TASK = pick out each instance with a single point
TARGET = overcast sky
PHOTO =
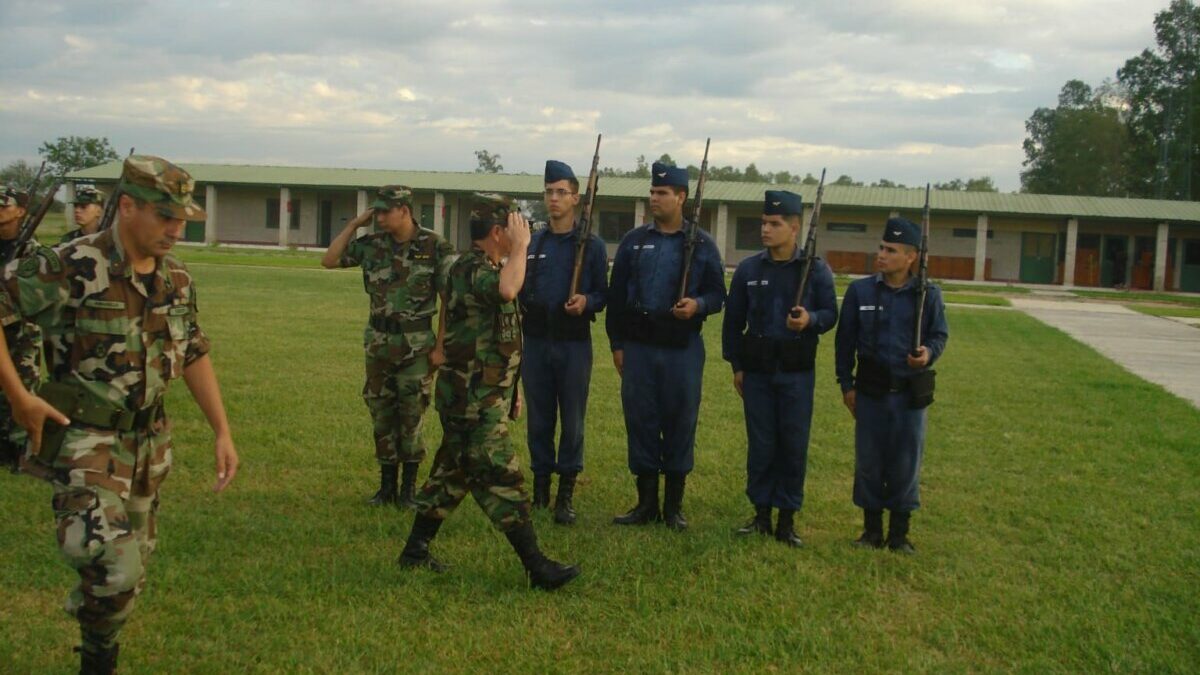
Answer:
(910, 90)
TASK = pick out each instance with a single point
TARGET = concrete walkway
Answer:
(1159, 350)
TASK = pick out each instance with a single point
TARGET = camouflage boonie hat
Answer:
(491, 207)
(11, 196)
(87, 194)
(163, 184)
(391, 196)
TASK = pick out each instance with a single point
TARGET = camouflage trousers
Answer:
(107, 541)
(25, 346)
(476, 455)
(397, 390)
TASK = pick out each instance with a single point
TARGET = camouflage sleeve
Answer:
(354, 253)
(445, 260)
(30, 287)
(485, 286)
(198, 344)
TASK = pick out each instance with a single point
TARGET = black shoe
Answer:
(541, 491)
(759, 524)
(408, 485)
(785, 529)
(872, 536)
(673, 502)
(416, 550)
(388, 474)
(564, 510)
(646, 510)
(98, 661)
(897, 539)
(543, 572)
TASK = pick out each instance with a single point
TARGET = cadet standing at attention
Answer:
(477, 395)
(557, 364)
(891, 387)
(24, 337)
(404, 270)
(120, 315)
(772, 345)
(657, 347)
(89, 208)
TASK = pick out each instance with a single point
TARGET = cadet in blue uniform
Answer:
(888, 392)
(557, 367)
(772, 343)
(656, 344)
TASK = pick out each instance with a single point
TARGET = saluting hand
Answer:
(798, 319)
(920, 360)
(517, 230)
(31, 412)
(685, 309)
(576, 304)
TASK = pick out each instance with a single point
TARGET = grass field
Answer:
(1058, 531)
(1190, 300)
(1167, 310)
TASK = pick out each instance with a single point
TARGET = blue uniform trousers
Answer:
(556, 374)
(660, 394)
(889, 442)
(778, 418)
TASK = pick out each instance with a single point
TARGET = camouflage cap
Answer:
(391, 196)
(87, 194)
(163, 184)
(491, 207)
(11, 196)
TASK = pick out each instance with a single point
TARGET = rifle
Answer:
(922, 278)
(33, 218)
(693, 233)
(810, 246)
(110, 207)
(585, 222)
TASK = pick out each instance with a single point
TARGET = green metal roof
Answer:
(530, 186)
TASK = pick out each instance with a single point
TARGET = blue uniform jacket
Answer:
(762, 293)
(645, 277)
(550, 261)
(856, 328)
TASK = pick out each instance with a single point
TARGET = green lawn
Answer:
(1167, 310)
(1058, 531)
(1191, 300)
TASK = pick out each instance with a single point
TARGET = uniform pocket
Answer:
(83, 527)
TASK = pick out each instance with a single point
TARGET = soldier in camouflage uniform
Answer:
(475, 397)
(404, 271)
(89, 208)
(24, 337)
(119, 314)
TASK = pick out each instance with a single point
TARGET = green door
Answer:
(1189, 274)
(1037, 257)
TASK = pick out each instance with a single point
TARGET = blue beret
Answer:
(782, 203)
(661, 174)
(902, 231)
(556, 171)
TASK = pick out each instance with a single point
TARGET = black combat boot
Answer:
(872, 536)
(897, 539)
(785, 530)
(541, 491)
(564, 510)
(387, 485)
(673, 502)
(543, 572)
(759, 524)
(416, 551)
(646, 510)
(408, 485)
(98, 660)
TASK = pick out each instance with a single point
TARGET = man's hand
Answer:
(227, 462)
(685, 309)
(920, 361)
(798, 319)
(576, 304)
(31, 413)
(517, 230)
(738, 378)
(437, 357)
(850, 399)
(619, 361)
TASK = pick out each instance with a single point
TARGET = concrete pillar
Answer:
(285, 214)
(361, 205)
(1160, 258)
(69, 210)
(639, 213)
(210, 207)
(981, 241)
(721, 229)
(439, 213)
(1069, 256)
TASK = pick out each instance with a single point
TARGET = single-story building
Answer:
(1026, 238)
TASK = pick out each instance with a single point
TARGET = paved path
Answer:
(1160, 350)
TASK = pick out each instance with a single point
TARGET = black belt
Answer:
(540, 322)
(384, 324)
(660, 330)
(79, 406)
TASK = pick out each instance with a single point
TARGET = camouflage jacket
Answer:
(25, 337)
(71, 236)
(403, 280)
(105, 332)
(483, 340)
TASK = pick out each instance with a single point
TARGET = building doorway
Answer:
(1189, 272)
(1037, 257)
(1114, 260)
(325, 223)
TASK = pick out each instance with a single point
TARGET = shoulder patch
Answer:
(53, 262)
(27, 268)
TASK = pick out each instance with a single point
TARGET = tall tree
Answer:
(1078, 147)
(488, 163)
(72, 153)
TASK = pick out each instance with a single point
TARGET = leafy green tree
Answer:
(841, 180)
(1079, 147)
(488, 163)
(73, 153)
